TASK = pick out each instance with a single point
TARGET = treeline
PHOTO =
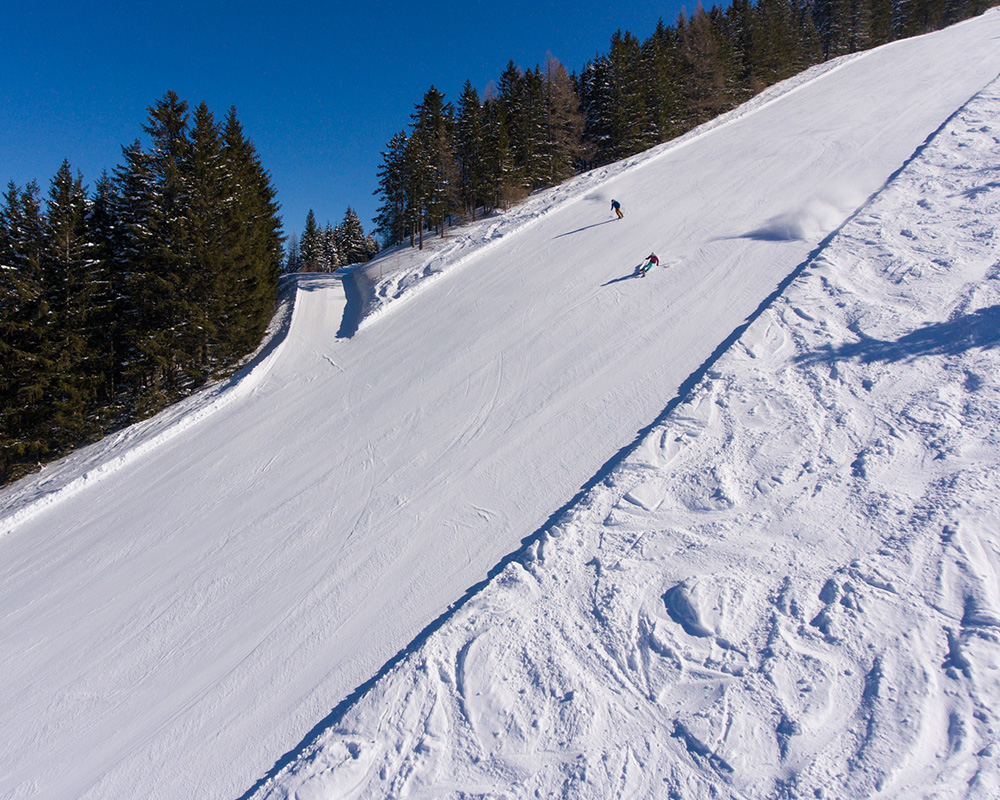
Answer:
(526, 133)
(116, 303)
(330, 248)
(535, 128)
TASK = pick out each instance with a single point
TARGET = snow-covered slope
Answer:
(183, 604)
(790, 588)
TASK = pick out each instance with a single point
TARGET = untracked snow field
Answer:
(727, 561)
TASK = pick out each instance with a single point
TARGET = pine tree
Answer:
(253, 233)
(350, 237)
(24, 368)
(292, 260)
(391, 220)
(311, 245)
(470, 149)
(68, 264)
(332, 258)
(660, 68)
(627, 116)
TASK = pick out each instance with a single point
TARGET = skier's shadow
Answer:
(633, 274)
(584, 228)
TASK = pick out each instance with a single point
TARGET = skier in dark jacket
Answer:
(617, 207)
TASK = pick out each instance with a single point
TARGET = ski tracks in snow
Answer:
(788, 589)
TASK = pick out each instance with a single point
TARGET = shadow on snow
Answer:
(981, 329)
(627, 276)
(584, 228)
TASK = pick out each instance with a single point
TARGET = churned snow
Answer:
(726, 559)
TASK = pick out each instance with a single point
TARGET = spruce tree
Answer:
(501, 177)
(292, 260)
(833, 22)
(371, 247)
(332, 254)
(519, 96)
(135, 192)
(311, 245)
(704, 72)
(68, 267)
(431, 158)
(660, 68)
(350, 238)
(108, 295)
(253, 228)
(155, 188)
(213, 287)
(391, 221)
(25, 366)
(537, 161)
(470, 149)
(597, 103)
(627, 115)
(113, 307)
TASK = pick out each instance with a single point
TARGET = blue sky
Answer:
(320, 88)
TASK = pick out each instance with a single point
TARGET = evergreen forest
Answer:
(329, 248)
(533, 129)
(117, 302)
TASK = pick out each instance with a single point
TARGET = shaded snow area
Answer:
(789, 588)
(503, 519)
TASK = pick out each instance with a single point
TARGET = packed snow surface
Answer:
(789, 588)
(784, 585)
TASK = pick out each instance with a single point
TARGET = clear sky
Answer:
(319, 87)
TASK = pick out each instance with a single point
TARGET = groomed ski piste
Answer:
(532, 527)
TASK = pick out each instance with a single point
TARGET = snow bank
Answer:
(57, 481)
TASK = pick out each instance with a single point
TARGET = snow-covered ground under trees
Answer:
(726, 560)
